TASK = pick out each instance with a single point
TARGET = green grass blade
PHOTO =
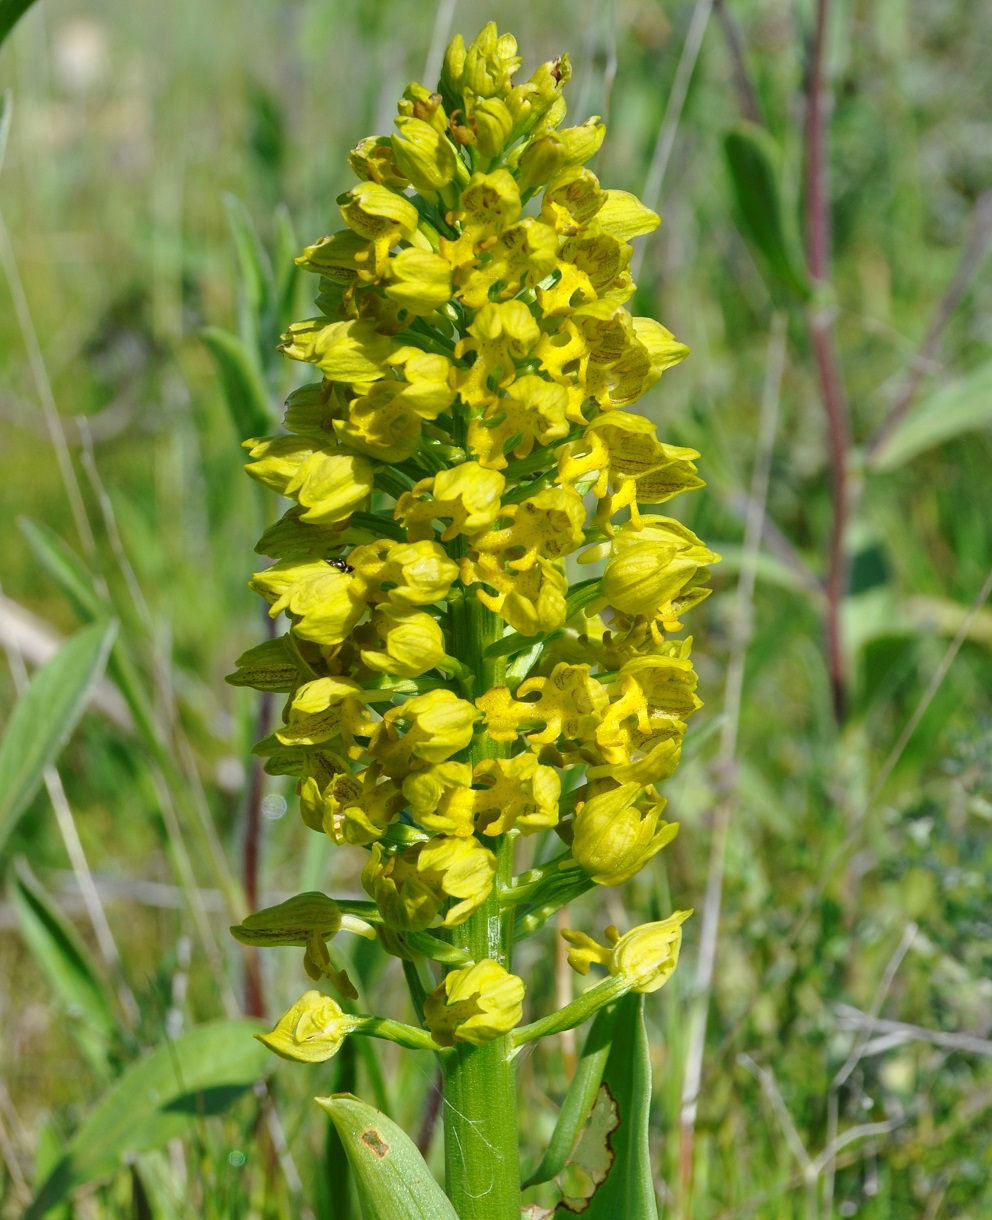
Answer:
(753, 160)
(65, 961)
(244, 389)
(65, 568)
(158, 1099)
(579, 1098)
(963, 406)
(392, 1177)
(45, 716)
(10, 13)
(254, 266)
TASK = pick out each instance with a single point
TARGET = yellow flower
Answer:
(646, 956)
(475, 1004)
(531, 410)
(571, 704)
(311, 1031)
(468, 495)
(325, 603)
(499, 335)
(351, 352)
(412, 887)
(424, 155)
(520, 793)
(419, 280)
(418, 573)
(440, 723)
(626, 454)
(488, 65)
(440, 798)
(328, 483)
(326, 709)
(615, 834)
(381, 216)
(656, 697)
(656, 571)
(548, 525)
(530, 602)
(347, 807)
(412, 642)
(372, 160)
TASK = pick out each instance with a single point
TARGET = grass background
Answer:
(852, 859)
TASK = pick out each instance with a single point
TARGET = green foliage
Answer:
(45, 717)
(167, 1093)
(67, 964)
(393, 1180)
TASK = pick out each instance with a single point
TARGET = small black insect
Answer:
(341, 565)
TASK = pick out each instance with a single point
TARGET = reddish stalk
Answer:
(821, 328)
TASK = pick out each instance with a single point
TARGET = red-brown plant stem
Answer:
(821, 328)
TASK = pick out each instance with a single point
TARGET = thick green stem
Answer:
(481, 1156)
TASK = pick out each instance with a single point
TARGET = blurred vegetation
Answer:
(847, 1054)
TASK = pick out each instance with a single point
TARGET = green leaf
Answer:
(45, 715)
(287, 246)
(66, 963)
(254, 270)
(245, 391)
(579, 1099)
(628, 1189)
(753, 158)
(157, 1099)
(65, 568)
(393, 1180)
(10, 12)
(963, 406)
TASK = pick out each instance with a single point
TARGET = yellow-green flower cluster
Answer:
(467, 439)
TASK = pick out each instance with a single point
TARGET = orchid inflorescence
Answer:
(450, 689)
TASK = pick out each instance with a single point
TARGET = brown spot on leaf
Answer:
(375, 1143)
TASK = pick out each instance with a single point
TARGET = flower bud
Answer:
(582, 143)
(614, 838)
(540, 161)
(492, 124)
(490, 62)
(475, 1004)
(424, 155)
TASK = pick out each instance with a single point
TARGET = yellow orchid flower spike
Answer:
(453, 683)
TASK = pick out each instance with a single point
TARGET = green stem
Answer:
(482, 1165)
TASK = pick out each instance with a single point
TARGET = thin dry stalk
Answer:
(726, 762)
(673, 113)
(43, 388)
(857, 1053)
